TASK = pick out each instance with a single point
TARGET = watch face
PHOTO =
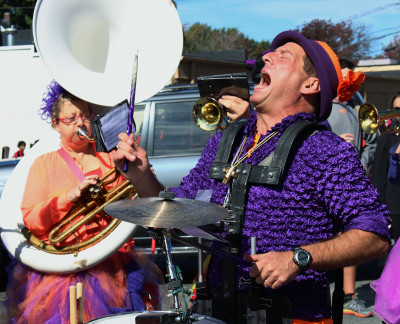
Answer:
(302, 257)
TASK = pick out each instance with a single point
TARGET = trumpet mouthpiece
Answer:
(82, 132)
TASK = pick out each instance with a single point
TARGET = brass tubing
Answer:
(54, 238)
(208, 114)
(370, 119)
(125, 190)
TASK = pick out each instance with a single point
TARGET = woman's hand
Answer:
(75, 193)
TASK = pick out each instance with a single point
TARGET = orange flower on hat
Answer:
(350, 85)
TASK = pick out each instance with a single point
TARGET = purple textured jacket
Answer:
(324, 186)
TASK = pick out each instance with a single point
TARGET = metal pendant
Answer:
(231, 172)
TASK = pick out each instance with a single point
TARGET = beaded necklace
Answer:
(231, 172)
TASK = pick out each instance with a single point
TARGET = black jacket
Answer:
(389, 193)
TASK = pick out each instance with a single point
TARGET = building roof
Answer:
(226, 55)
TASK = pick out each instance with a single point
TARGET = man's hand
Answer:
(129, 149)
(139, 172)
(348, 137)
(273, 269)
(236, 108)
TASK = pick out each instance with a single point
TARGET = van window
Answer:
(138, 116)
(175, 131)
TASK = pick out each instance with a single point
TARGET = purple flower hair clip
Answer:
(54, 91)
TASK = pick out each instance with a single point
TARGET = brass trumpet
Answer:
(370, 119)
(90, 205)
(208, 114)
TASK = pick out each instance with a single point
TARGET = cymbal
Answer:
(166, 213)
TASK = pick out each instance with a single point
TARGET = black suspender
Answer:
(269, 172)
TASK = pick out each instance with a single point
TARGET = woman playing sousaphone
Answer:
(125, 281)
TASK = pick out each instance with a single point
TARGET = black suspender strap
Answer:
(270, 170)
(228, 137)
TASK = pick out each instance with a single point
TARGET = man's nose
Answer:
(268, 58)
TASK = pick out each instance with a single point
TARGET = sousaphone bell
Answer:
(89, 48)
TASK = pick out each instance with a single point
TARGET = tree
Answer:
(202, 38)
(21, 12)
(345, 40)
(392, 50)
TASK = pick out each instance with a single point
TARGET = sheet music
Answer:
(114, 123)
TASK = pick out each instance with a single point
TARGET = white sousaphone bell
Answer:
(89, 48)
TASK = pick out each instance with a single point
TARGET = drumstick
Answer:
(79, 297)
(132, 102)
(72, 304)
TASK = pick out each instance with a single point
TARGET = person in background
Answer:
(126, 280)
(344, 122)
(235, 107)
(389, 193)
(297, 223)
(20, 153)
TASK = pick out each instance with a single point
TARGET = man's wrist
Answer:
(302, 258)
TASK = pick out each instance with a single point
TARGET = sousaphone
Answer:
(89, 48)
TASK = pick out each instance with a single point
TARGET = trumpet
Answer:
(370, 119)
(208, 114)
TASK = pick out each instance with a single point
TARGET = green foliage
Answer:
(21, 12)
(346, 40)
(202, 38)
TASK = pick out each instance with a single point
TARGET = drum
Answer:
(150, 317)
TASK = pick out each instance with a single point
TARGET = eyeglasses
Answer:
(74, 119)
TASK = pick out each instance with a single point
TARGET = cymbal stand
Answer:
(174, 277)
(172, 273)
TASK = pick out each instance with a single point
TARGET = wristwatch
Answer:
(301, 258)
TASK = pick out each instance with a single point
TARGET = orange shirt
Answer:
(45, 198)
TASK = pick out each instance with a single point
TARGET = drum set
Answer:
(163, 216)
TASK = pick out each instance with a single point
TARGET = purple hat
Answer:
(323, 59)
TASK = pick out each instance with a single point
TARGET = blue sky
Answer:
(264, 19)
